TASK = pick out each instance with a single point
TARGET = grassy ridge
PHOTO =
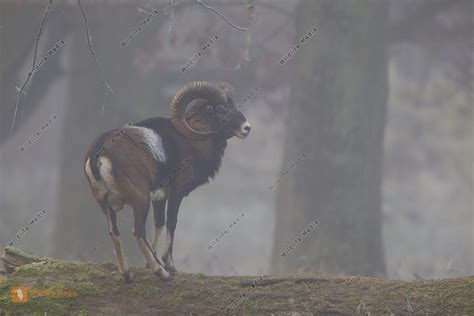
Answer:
(100, 289)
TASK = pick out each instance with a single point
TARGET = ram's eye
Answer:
(220, 108)
(209, 109)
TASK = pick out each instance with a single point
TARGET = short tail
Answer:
(94, 164)
(94, 153)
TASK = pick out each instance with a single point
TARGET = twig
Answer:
(247, 48)
(221, 15)
(250, 11)
(108, 90)
(43, 19)
(172, 4)
(27, 87)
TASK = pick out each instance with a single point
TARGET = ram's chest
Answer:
(187, 179)
(193, 165)
(195, 175)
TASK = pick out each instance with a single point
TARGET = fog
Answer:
(361, 113)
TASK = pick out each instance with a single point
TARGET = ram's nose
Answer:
(244, 130)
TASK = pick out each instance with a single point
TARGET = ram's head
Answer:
(202, 109)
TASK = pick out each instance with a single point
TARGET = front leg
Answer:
(171, 220)
(159, 208)
(140, 213)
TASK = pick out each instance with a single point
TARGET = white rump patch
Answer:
(105, 190)
(105, 169)
(153, 141)
(98, 187)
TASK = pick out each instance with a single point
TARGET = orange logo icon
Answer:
(19, 295)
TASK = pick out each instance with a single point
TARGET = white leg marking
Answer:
(168, 259)
(155, 244)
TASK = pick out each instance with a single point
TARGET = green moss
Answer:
(176, 301)
(20, 254)
(249, 308)
(87, 280)
(101, 289)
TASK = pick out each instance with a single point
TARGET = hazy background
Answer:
(379, 101)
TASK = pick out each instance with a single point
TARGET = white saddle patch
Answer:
(153, 141)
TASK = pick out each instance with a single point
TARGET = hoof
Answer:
(171, 270)
(164, 275)
(128, 276)
(169, 264)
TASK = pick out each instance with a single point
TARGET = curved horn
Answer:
(194, 90)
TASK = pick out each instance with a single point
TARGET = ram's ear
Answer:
(227, 88)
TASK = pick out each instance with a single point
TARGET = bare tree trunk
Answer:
(336, 120)
(81, 228)
(80, 222)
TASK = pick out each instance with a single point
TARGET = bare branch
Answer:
(108, 90)
(20, 92)
(172, 4)
(221, 15)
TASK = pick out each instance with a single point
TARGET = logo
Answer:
(22, 294)
(19, 295)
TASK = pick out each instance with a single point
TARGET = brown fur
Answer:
(121, 169)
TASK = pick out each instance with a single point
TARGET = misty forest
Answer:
(319, 152)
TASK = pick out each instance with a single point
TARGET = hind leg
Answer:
(115, 236)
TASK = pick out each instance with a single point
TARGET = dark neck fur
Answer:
(210, 162)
